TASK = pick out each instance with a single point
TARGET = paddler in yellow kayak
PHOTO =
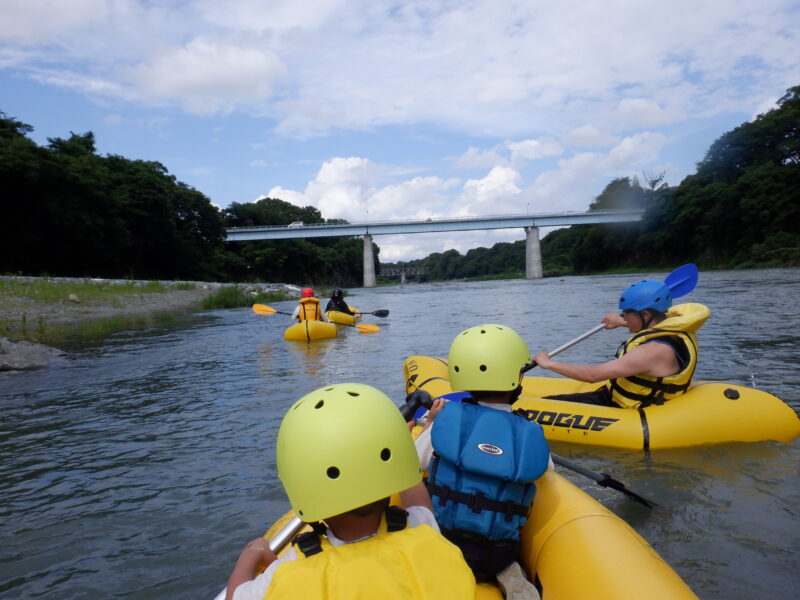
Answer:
(657, 363)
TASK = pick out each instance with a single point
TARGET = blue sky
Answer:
(374, 110)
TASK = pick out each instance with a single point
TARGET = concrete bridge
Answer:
(530, 223)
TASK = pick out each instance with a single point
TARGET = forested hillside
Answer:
(740, 209)
(68, 211)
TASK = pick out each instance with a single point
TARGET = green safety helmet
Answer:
(342, 447)
(486, 358)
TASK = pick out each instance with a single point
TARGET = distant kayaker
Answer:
(308, 307)
(481, 458)
(657, 363)
(337, 303)
(343, 474)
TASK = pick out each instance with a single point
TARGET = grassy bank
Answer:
(62, 312)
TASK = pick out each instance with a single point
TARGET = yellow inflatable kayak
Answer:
(709, 413)
(306, 331)
(334, 316)
(575, 549)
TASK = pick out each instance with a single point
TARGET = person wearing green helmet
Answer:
(342, 450)
(482, 459)
(655, 364)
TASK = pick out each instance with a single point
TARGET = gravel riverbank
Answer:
(21, 311)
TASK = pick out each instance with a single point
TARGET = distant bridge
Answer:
(530, 223)
(402, 271)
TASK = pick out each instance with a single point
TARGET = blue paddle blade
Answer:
(682, 280)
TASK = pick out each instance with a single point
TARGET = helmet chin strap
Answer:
(645, 322)
(515, 394)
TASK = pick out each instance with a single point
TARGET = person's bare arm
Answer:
(256, 553)
(416, 496)
(656, 360)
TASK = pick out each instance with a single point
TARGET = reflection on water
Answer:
(139, 467)
(308, 357)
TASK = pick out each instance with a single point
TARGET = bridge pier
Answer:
(369, 262)
(533, 254)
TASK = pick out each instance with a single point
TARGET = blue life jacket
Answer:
(481, 477)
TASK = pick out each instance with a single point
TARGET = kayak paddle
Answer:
(378, 313)
(602, 479)
(263, 309)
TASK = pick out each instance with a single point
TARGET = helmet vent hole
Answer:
(482, 367)
(483, 331)
(456, 369)
(333, 472)
(354, 394)
(386, 454)
(320, 404)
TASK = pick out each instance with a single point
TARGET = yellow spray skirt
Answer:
(709, 413)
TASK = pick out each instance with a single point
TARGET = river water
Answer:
(138, 467)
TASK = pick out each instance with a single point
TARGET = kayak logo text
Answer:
(569, 420)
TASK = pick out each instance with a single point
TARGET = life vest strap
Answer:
(477, 502)
(667, 388)
(310, 543)
(396, 518)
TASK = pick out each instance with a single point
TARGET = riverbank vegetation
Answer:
(231, 296)
(741, 209)
(58, 312)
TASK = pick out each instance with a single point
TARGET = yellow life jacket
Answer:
(678, 330)
(413, 562)
(309, 309)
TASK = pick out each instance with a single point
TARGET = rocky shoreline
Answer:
(25, 355)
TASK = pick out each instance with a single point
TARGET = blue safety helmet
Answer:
(644, 294)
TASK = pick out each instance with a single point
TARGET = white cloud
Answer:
(589, 136)
(211, 75)
(533, 149)
(39, 21)
(508, 72)
(291, 196)
(474, 158)
(580, 178)
(638, 112)
(495, 193)
(358, 190)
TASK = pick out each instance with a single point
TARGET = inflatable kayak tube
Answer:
(575, 549)
(710, 412)
(334, 316)
(306, 331)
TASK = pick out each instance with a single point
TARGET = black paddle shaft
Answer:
(602, 479)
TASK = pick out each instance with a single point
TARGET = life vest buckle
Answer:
(308, 543)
